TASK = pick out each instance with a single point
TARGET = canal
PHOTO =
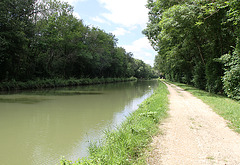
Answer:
(38, 127)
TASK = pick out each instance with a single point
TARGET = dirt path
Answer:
(194, 135)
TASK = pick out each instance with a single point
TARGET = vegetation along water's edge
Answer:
(228, 108)
(58, 82)
(127, 143)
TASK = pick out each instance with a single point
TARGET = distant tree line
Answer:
(198, 42)
(42, 39)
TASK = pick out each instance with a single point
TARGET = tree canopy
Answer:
(197, 42)
(42, 39)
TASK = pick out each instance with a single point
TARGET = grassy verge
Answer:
(57, 82)
(227, 108)
(127, 144)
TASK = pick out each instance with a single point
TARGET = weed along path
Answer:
(193, 134)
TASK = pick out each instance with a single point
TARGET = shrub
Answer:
(231, 78)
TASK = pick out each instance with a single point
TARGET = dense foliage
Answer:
(43, 40)
(197, 42)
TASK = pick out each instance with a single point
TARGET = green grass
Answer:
(127, 144)
(227, 108)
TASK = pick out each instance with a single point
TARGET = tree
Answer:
(190, 36)
(16, 32)
(42, 39)
(231, 61)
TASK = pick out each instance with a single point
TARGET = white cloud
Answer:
(148, 54)
(98, 19)
(133, 27)
(142, 50)
(76, 15)
(120, 31)
(73, 1)
(126, 12)
(139, 45)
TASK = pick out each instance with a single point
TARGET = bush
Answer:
(213, 73)
(231, 78)
(199, 79)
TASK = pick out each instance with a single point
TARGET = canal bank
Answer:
(127, 144)
(58, 82)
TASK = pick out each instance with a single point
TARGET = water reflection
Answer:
(23, 100)
(39, 127)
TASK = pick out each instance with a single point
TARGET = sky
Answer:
(124, 18)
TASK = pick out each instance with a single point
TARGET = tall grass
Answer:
(227, 108)
(127, 144)
(57, 82)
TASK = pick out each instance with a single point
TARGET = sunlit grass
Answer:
(227, 108)
(127, 144)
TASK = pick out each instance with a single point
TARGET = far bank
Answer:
(57, 82)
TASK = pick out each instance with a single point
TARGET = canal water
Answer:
(39, 127)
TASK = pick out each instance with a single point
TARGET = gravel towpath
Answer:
(193, 135)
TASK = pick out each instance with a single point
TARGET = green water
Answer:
(38, 127)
